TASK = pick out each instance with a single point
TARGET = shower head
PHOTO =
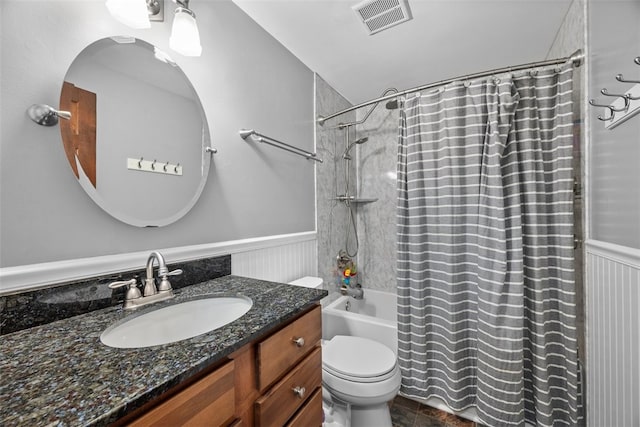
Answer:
(392, 104)
(346, 155)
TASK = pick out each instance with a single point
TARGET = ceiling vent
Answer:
(379, 15)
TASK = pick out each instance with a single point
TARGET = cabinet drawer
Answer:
(282, 401)
(310, 415)
(278, 353)
(209, 401)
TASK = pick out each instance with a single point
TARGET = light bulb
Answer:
(185, 38)
(132, 13)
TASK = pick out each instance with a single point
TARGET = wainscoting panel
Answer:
(613, 335)
(279, 263)
(279, 258)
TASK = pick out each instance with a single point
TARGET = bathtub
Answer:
(374, 317)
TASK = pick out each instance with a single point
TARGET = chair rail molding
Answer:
(42, 275)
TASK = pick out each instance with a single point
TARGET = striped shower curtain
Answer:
(486, 311)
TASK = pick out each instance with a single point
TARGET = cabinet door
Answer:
(289, 394)
(207, 402)
(282, 350)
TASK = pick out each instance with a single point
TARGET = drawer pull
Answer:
(299, 391)
(298, 341)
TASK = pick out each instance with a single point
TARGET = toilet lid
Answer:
(356, 357)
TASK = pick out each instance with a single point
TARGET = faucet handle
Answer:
(175, 272)
(132, 291)
(165, 285)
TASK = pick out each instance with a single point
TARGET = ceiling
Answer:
(445, 38)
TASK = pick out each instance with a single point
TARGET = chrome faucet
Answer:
(354, 291)
(150, 281)
(134, 298)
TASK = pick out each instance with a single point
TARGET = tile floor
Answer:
(408, 413)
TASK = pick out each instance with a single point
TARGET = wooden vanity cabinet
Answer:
(273, 382)
(287, 396)
(208, 401)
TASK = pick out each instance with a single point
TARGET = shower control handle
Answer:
(299, 391)
(298, 341)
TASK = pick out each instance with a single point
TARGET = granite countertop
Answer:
(61, 374)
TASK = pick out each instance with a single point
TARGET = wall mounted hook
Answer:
(46, 115)
(626, 107)
(621, 79)
(604, 119)
(211, 150)
(605, 92)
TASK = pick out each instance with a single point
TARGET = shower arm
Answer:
(366, 116)
(577, 59)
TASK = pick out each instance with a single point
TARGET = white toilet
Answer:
(360, 372)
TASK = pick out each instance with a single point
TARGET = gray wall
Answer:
(245, 79)
(614, 40)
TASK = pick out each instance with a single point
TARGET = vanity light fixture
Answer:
(136, 13)
(185, 38)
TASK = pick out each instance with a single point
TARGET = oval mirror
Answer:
(138, 134)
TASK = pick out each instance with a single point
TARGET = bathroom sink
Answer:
(175, 322)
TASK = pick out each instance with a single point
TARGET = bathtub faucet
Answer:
(354, 291)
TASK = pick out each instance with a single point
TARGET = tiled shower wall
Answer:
(332, 217)
(377, 179)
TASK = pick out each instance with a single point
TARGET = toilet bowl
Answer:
(363, 373)
(360, 372)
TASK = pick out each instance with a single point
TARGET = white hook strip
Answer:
(166, 168)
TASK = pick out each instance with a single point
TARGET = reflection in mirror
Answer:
(137, 136)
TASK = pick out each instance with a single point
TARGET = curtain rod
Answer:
(577, 58)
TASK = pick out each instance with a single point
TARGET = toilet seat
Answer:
(358, 360)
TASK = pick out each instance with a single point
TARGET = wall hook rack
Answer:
(142, 165)
(626, 104)
(246, 133)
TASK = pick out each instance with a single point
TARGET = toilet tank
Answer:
(308, 282)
